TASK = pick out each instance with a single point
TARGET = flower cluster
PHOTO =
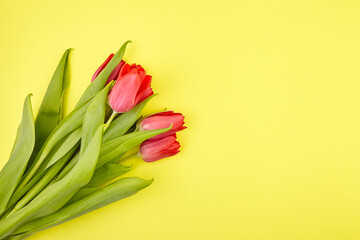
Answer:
(132, 86)
(165, 144)
(63, 167)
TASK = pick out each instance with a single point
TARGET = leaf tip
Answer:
(149, 182)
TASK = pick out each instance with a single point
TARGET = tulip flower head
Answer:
(114, 74)
(153, 150)
(131, 87)
(163, 120)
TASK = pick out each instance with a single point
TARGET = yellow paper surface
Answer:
(270, 90)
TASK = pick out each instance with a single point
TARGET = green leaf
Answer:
(68, 167)
(13, 170)
(102, 78)
(18, 237)
(45, 179)
(122, 123)
(102, 175)
(82, 193)
(117, 147)
(54, 169)
(106, 173)
(94, 117)
(56, 195)
(50, 112)
(131, 140)
(71, 122)
(60, 150)
(118, 190)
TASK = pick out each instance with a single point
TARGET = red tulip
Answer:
(114, 74)
(131, 87)
(163, 120)
(153, 150)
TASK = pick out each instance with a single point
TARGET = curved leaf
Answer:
(12, 172)
(69, 142)
(102, 175)
(94, 117)
(118, 190)
(45, 179)
(56, 195)
(133, 139)
(71, 122)
(106, 173)
(50, 112)
(58, 152)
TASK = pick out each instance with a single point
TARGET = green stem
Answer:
(113, 115)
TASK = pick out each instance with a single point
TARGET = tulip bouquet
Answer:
(63, 167)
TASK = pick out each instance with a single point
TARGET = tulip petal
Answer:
(145, 95)
(124, 70)
(161, 155)
(150, 147)
(122, 96)
(145, 89)
(115, 73)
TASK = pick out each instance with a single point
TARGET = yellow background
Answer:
(270, 90)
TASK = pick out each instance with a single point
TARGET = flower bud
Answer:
(131, 87)
(153, 150)
(163, 120)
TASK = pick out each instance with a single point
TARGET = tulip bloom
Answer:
(163, 120)
(153, 150)
(114, 74)
(131, 87)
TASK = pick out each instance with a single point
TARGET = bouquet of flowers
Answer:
(63, 167)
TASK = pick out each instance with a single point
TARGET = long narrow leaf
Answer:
(136, 139)
(56, 195)
(50, 112)
(18, 237)
(118, 190)
(70, 123)
(69, 142)
(46, 179)
(58, 152)
(94, 117)
(102, 175)
(12, 172)
(38, 182)
(106, 173)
